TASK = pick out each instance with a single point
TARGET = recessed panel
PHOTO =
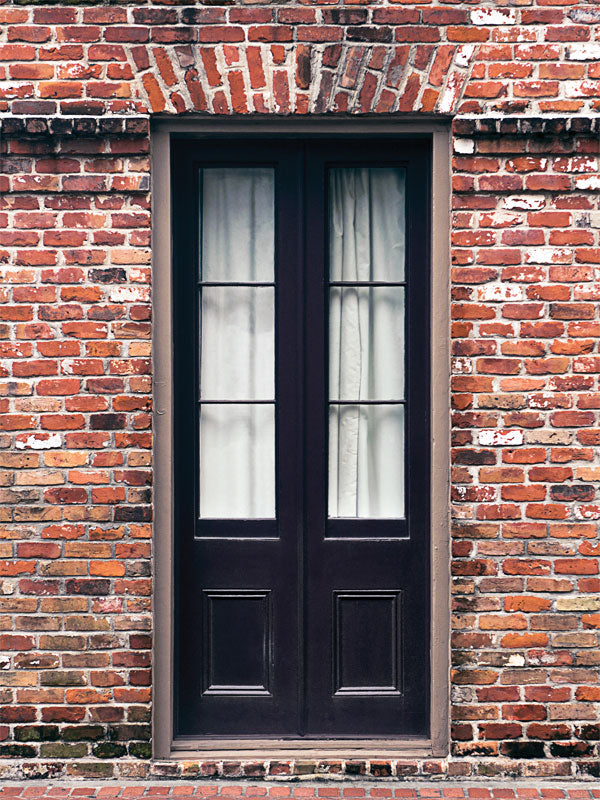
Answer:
(237, 642)
(367, 642)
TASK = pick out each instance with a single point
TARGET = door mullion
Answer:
(289, 262)
(315, 449)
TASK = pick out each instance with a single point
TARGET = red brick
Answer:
(74, 386)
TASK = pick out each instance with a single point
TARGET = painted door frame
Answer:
(164, 746)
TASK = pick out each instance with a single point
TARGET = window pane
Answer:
(367, 224)
(237, 224)
(237, 440)
(366, 461)
(237, 461)
(366, 343)
(237, 343)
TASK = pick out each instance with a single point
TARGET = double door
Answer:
(301, 373)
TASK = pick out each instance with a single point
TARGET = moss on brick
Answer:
(78, 733)
(139, 714)
(17, 751)
(140, 750)
(124, 733)
(36, 733)
(109, 750)
(63, 750)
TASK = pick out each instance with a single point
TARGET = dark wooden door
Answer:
(304, 622)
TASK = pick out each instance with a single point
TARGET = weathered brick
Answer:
(75, 329)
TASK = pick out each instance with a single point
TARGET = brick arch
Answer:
(227, 78)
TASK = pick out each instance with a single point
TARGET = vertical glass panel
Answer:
(367, 224)
(238, 231)
(366, 343)
(366, 461)
(237, 343)
(237, 461)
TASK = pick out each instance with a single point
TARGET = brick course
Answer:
(78, 84)
(285, 789)
(325, 788)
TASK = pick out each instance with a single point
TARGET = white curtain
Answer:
(366, 343)
(237, 224)
(237, 439)
(366, 353)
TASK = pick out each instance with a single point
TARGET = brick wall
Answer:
(78, 84)
(75, 449)
(525, 229)
(312, 57)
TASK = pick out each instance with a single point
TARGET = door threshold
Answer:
(265, 749)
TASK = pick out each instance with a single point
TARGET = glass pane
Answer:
(366, 343)
(366, 461)
(237, 440)
(237, 343)
(237, 461)
(238, 233)
(367, 224)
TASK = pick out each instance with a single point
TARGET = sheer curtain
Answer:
(237, 385)
(366, 342)
(366, 349)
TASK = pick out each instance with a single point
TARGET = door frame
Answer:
(164, 745)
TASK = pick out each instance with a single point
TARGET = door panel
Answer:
(233, 670)
(367, 642)
(351, 555)
(303, 616)
(237, 577)
(238, 644)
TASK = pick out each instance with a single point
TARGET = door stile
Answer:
(184, 249)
